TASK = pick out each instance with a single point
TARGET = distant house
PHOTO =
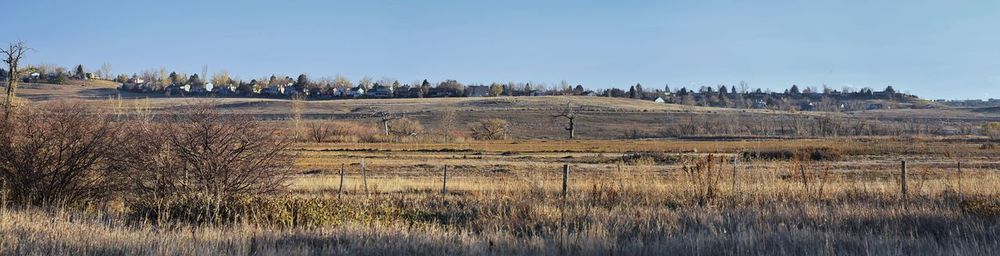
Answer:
(224, 89)
(440, 92)
(199, 89)
(335, 92)
(590, 94)
(180, 90)
(274, 90)
(380, 91)
(356, 92)
(477, 91)
(659, 100)
(807, 106)
(760, 104)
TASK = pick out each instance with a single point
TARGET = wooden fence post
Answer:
(902, 177)
(444, 181)
(341, 190)
(565, 179)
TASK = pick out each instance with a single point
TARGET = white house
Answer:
(659, 100)
(356, 92)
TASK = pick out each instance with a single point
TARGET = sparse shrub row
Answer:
(68, 153)
(400, 130)
(814, 154)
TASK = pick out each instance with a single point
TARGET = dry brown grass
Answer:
(504, 199)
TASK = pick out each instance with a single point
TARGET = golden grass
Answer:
(510, 204)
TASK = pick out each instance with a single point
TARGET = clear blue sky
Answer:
(936, 49)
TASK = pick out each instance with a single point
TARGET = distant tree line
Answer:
(222, 84)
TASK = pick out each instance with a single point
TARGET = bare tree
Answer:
(406, 127)
(491, 129)
(448, 120)
(12, 56)
(106, 71)
(298, 106)
(319, 132)
(385, 117)
(570, 114)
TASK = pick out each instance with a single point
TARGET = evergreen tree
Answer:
(79, 71)
(301, 83)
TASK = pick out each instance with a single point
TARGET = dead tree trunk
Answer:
(13, 55)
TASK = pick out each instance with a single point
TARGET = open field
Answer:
(771, 184)
(532, 117)
(504, 198)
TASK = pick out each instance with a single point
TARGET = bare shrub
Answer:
(992, 130)
(448, 120)
(57, 154)
(703, 178)
(491, 129)
(406, 127)
(319, 131)
(815, 154)
(203, 152)
(342, 131)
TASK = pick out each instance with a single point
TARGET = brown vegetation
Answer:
(194, 180)
(491, 129)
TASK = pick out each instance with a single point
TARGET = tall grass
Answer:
(637, 210)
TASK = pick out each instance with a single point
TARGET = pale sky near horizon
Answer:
(935, 49)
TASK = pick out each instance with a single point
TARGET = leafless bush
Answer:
(57, 154)
(992, 130)
(406, 127)
(319, 131)
(491, 129)
(448, 120)
(205, 152)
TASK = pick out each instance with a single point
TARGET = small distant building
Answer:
(274, 90)
(224, 89)
(179, 90)
(807, 106)
(199, 89)
(760, 104)
(335, 92)
(356, 92)
(380, 91)
(477, 91)
(659, 100)
(440, 92)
